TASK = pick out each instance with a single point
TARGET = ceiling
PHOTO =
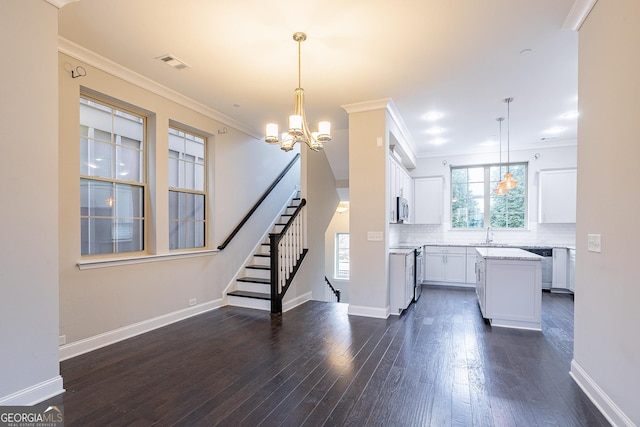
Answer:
(458, 58)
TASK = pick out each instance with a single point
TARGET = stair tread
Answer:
(249, 294)
(259, 267)
(262, 255)
(255, 280)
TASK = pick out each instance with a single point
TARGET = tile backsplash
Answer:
(537, 234)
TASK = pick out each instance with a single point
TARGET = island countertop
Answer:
(507, 253)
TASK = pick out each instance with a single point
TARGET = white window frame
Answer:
(338, 274)
(183, 190)
(116, 234)
(488, 187)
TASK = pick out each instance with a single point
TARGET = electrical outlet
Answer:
(192, 302)
(374, 236)
(594, 243)
(62, 340)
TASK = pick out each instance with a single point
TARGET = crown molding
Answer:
(91, 58)
(578, 13)
(60, 3)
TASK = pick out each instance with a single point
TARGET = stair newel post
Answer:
(276, 303)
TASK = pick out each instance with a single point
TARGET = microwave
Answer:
(402, 210)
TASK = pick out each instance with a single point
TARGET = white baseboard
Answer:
(288, 305)
(609, 409)
(35, 394)
(95, 342)
(358, 310)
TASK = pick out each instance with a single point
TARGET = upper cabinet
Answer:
(428, 200)
(400, 185)
(557, 196)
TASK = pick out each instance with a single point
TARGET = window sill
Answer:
(143, 259)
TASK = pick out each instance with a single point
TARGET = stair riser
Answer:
(257, 304)
(253, 272)
(253, 287)
(261, 260)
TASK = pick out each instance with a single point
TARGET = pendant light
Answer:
(508, 181)
(500, 188)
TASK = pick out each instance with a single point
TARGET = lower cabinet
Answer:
(401, 281)
(560, 269)
(445, 264)
(510, 292)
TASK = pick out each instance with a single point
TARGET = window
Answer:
(186, 190)
(342, 255)
(475, 205)
(112, 183)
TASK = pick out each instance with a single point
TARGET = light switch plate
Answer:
(594, 243)
(374, 236)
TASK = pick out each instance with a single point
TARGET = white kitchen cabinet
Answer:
(557, 196)
(445, 264)
(401, 281)
(509, 287)
(560, 269)
(428, 194)
(481, 283)
(471, 265)
(400, 185)
(572, 270)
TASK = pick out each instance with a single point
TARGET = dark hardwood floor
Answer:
(438, 364)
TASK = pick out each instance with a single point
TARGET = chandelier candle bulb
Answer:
(272, 133)
(324, 129)
(295, 123)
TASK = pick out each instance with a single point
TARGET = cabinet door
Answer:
(471, 265)
(428, 200)
(560, 268)
(455, 267)
(557, 196)
(434, 267)
(572, 269)
(480, 283)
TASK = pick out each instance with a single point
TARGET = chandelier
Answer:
(298, 127)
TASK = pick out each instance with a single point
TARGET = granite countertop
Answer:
(493, 245)
(508, 253)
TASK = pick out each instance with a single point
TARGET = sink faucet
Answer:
(489, 239)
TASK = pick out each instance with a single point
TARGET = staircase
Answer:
(253, 288)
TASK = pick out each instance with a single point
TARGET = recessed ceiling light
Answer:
(434, 130)
(432, 116)
(570, 115)
(438, 141)
(555, 130)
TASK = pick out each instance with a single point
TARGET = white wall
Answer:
(116, 300)
(29, 369)
(549, 158)
(606, 344)
(368, 212)
(339, 224)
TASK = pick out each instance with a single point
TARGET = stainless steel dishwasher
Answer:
(547, 264)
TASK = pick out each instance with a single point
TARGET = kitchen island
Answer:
(509, 287)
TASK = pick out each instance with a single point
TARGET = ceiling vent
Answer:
(172, 61)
